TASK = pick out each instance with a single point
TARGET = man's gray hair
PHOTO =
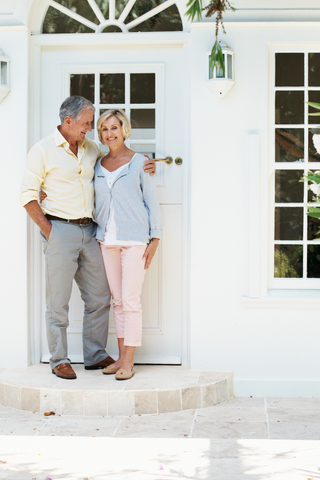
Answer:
(73, 106)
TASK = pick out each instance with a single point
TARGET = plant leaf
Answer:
(217, 57)
(314, 105)
(194, 10)
(314, 178)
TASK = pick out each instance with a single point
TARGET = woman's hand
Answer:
(42, 196)
(149, 165)
(150, 251)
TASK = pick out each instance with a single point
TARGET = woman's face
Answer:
(111, 132)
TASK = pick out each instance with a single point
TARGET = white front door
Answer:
(146, 83)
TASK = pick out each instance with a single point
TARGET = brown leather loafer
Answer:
(103, 364)
(64, 370)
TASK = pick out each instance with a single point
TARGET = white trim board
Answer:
(89, 39)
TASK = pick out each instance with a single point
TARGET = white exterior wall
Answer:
(272, 347)
(271, 350)
(13, 252)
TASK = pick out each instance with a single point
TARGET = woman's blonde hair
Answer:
(123, 119)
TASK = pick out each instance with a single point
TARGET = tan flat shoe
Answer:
(123, 374)
(110, 370)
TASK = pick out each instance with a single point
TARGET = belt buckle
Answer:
(83, 221)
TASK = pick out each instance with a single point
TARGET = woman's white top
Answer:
(110, 236)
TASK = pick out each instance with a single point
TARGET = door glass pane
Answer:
(288, 261)
(58, 22)
(313, 263)
(288, 189)
(314, 70)
(313, 228)
(289, 145)
(112, 89)
(288, 223)
(149, 149)
(143, 123)
(314, 97)
(142, 87)
(82, 84)
(289, 69)
(168, 20)
(81, 7)
(289, 108)
(314, 156)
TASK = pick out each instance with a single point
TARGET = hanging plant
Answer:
(215, 7)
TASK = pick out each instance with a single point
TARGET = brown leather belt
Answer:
(78, 221)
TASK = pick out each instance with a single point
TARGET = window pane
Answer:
(104, 7)
(313, 261)
(82, 84)
(288, 189)
(289, 145)
(289, 108)
(229, 65)
(289, 69)
(120, 5)
(288, 223)
(57, 22)
(168, 20)
(314, 97)
(112, 88)
(314, 70)
(142, 87)
(314, 156)
(141, 7)
(4, 73)
(288, 261)
(112, 29)
(143, 123)
(313, 228)
(81, 7)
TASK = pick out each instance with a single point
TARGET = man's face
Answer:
(77, 130)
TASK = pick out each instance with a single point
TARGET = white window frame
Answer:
(265, 291)
(288, 283)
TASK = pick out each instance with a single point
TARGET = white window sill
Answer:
(285, 299)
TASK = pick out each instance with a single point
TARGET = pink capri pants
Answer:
(125, 272)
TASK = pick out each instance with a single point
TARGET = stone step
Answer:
(153, 389)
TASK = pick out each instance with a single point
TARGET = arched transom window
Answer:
(111, 16)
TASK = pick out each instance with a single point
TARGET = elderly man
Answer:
(63, 165)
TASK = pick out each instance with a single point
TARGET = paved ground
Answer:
(244, 438)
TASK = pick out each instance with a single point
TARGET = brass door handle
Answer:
(168, 160)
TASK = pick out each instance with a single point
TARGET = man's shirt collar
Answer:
(61, 141)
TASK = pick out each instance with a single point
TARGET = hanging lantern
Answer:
(218, 80)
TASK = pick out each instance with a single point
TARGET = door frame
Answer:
(36, 293)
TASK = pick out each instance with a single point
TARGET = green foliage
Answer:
(216, 57)
(194, 10)
(316, 106)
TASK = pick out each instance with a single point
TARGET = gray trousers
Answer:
(72, 252)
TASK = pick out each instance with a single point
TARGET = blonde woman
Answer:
(129, 230)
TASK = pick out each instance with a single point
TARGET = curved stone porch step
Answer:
(153, 389)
